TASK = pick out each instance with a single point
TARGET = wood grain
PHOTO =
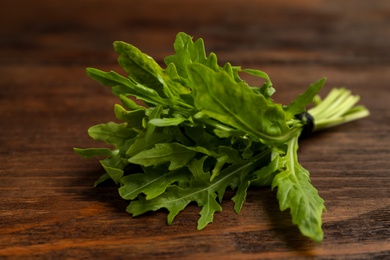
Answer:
(48, 207)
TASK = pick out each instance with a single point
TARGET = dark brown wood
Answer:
(48, 207)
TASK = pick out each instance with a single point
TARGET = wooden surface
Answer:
(48, 207)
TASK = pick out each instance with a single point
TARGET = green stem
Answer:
(339, 107)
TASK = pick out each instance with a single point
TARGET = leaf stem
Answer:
(339, 107)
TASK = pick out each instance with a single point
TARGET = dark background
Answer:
(48, 208)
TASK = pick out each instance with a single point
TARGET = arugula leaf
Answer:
(139, 67)
(92, 152)
(213, 95)
(124, 86)
(151, 183)
(299, 104)
(133, 118)
(177, 154)
(186, 52)
(266, 90)
(201, 129)
(114, 165)
(201, 190)
(112, 133)
(265, 175)
(144, 70)
(296, 192)
(142, 143)
(163, 122)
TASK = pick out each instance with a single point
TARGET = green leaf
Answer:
(152, 114)
(129, 103)
(152, 183)
(212, 63)
(186, 52)
(176, 198)
(173, 83)
(226, 155)
(133, 118)
(265, 176)
(241, 192)
(299, 104)
(260, 74)
(233, 72)
(267, 89)
(201, 190)
(297, 193)
(112, 133)
(164, 122)
(140, 67)
(233, 155)
(201, 137)
(221, 161)
(146, 71)
(147, 142)
(92, 152)
(114, 166)
(175, 153)
(124, 86)
(248, 112)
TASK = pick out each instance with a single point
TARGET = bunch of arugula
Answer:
(202, 129)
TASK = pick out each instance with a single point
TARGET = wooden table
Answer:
(49, 208)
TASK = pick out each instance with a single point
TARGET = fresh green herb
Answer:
(201, 129)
